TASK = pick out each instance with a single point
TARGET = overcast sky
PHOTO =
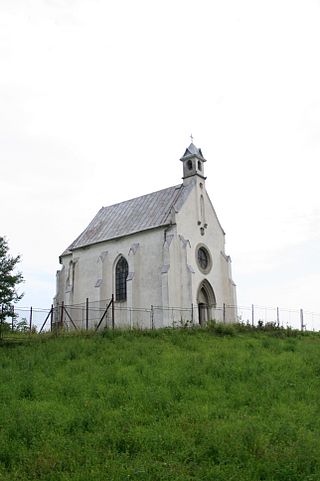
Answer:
(99, 98)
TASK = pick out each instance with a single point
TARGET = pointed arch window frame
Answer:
(121, 274)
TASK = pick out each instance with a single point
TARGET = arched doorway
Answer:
(206, 302)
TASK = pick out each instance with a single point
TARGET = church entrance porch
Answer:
(206, 302)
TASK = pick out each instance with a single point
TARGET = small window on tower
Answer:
(199, 165)
(189, 164)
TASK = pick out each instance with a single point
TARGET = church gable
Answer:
(197, 219)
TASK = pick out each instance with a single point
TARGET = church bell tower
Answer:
(193, 163)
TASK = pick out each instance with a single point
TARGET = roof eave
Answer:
(191, 156)
(73, 249)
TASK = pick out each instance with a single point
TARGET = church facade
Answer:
(164, 249)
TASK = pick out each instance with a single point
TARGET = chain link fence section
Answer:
(171, 316)
(84, 316)
(24, 319)
(99, 315)
(281, 317)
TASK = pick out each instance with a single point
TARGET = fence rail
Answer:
(110, 314)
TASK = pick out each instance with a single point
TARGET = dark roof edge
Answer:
(191, 156)
(68, 252)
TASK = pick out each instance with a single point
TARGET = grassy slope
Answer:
(164, 405)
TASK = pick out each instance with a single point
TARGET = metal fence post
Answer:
(61, 316)
(51, 317)
(30, 320)
(224, 313)
(278, 317)
(112, 310)
(301, 319)
(252, 315)
(87, 313)
(50, 314)
(152, 318)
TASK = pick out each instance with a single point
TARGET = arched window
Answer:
(121, 279)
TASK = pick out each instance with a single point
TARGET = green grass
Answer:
(215, 404)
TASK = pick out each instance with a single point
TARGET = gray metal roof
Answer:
(135, 215)
(193, 150)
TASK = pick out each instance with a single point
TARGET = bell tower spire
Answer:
(193, 163)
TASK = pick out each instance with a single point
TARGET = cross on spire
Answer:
(191, 137)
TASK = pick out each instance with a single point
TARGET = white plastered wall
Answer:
(197, 216)
(94, 278)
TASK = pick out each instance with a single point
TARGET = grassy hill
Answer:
(188, 404)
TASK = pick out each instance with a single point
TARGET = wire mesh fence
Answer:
(24, 319)
(281, 317)
(98, 315)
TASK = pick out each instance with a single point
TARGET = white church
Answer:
(164, 249)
